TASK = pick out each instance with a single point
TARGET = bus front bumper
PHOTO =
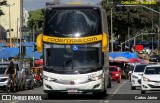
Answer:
(93, 86)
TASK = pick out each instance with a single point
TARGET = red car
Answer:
(115, 73)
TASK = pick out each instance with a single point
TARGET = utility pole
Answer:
(33, 45)
(158, 30)
(21, 24)
(129, 37)
(17, 30)
(111, 30)
(10, 39)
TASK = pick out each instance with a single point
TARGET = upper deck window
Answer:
(68, 22)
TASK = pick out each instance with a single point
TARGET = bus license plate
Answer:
(72, 90)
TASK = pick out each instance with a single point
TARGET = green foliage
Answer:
(36, 19)
(136, 18)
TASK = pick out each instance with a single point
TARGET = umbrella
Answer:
(110, 58)
(121, 59)
(39, 62)
(133, 60)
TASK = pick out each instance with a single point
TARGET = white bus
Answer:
(75, 52)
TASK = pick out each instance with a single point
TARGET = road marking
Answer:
(14, 102)
(106, 101)
(117, 89)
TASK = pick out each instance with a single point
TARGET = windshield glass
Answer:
(152, 70)
(70, 59)
(112, 69)
(139, 68)
(68, 22)
(2, 70)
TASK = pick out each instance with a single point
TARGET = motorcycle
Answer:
(37, 80)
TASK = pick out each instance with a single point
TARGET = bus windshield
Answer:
(67, 22)
(72, 59)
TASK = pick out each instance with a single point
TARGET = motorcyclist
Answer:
(11, 69)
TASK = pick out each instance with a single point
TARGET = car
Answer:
(136, 75)
(154, 58)
(29, 78)
(150, 78)
(3, 79)
(20, 77)
(115, 73)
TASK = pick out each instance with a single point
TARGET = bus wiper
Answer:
(67, 62)
(49, 69)
(93, 68)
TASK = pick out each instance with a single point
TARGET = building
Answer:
(12, 21)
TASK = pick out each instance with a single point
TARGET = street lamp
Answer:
(9, 5)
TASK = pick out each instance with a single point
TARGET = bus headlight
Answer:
(95, 78)
(49, 78)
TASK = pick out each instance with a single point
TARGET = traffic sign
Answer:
(24, 29)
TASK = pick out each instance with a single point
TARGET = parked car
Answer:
(20, 76)
(115, 73)
(150, 78)
(136, 75)
(154, 58)
(29, 78)
(3, 79)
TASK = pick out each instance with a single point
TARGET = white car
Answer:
(3, 79)
(136, 75)
(150, 78)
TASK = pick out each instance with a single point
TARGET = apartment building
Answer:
(10, 19)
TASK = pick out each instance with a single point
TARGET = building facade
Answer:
(11, 18)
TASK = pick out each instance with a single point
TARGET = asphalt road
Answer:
(119, 93)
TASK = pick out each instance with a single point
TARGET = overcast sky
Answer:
(36, 4)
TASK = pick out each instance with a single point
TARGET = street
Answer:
(119, 93)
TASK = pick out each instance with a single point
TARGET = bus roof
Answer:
(76, 3)
(72, 6)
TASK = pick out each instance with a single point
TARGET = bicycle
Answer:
(11, 85)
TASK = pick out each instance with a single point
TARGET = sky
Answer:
(36, 4)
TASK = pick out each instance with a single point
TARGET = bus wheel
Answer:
(104, 93)
(50, 95)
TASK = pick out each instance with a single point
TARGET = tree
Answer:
(35, 19)
(124, 17)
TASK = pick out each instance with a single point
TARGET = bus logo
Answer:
(75, 47)
(72, 83)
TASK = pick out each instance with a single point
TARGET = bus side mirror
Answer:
(39, 42)
(104, 42)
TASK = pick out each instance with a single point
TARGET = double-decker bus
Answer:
(75, 52)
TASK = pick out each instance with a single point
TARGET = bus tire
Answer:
(50, 95)
(104, 93)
